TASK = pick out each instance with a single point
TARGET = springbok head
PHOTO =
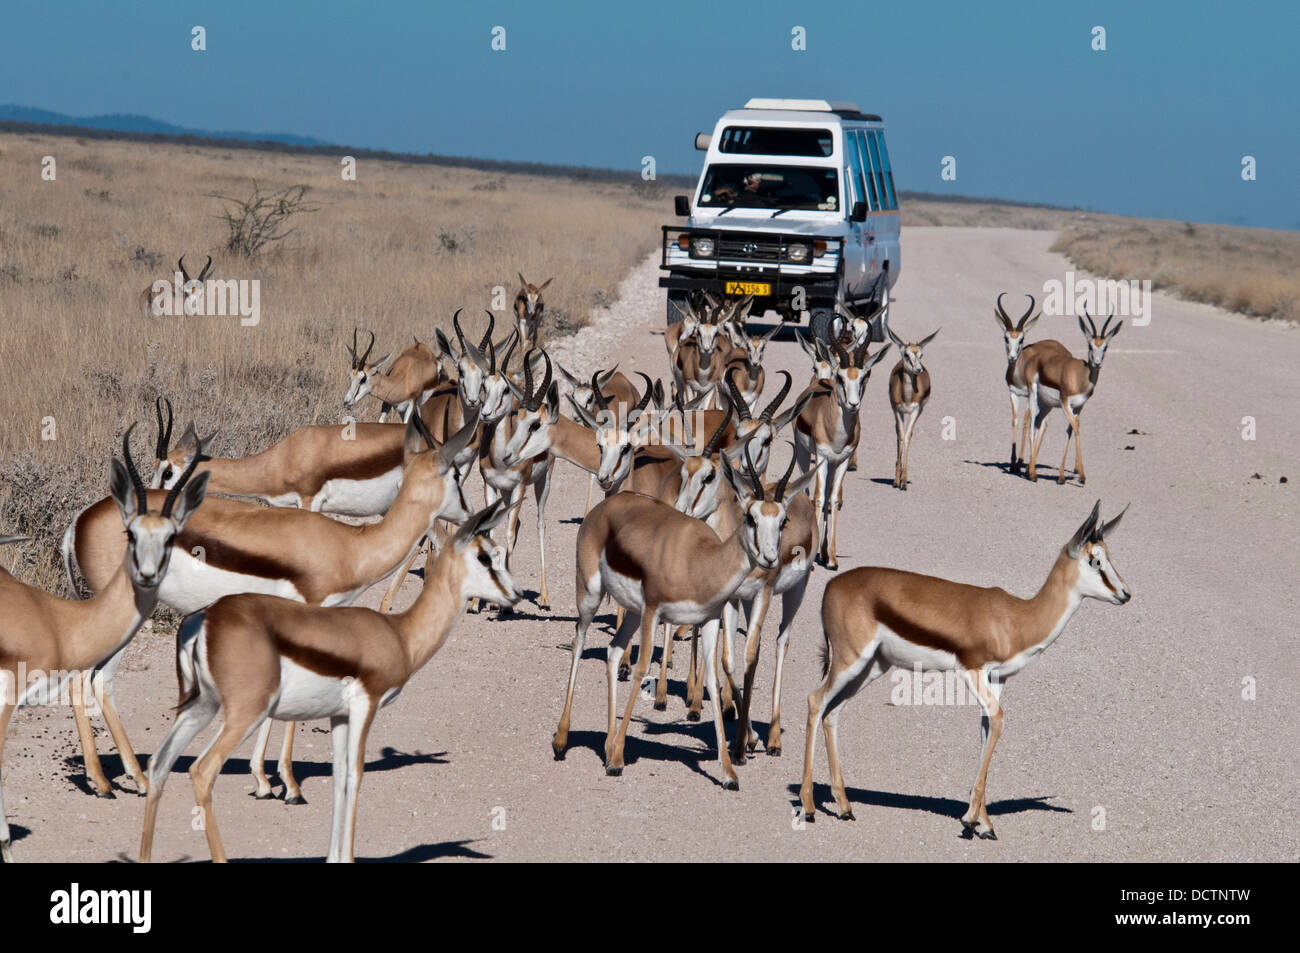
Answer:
(472, 363)
(483, 573)
(823, 361)
(581, 390)
(617, 438)
(193, 287)
(911, 353)
(1013, 332)
(361, 370)
(174, 462)
(765, 511)
(1097, 578)
(149, 536)
(1098, 341)
(496, 383)
(852, 373)
(700, 472)
(537, 411)
(758, 432)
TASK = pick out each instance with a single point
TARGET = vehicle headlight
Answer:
(797, 252)
(702, 247)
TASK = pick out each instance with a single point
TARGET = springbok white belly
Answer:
(192, 584)
(370, 497)
(898, 651)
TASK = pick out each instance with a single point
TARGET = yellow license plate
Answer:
(757, 288)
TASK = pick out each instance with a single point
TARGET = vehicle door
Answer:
(857, 245)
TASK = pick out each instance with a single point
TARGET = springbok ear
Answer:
(875, 358)
(412, 441)
(189, 439)
(123, 493)
(1104, 530)
(190, 499)
(927, 340)
(1111, 334)
(1084, 328)
(1030, 322)
(444, 346)
(522, 280)
(791, 412)
(1083, 533)
(378, 366)
(545, 283)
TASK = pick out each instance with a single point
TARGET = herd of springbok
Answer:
(691, 532)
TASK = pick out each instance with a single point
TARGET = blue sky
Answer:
(1156, 125)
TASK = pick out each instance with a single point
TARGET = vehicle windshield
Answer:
(776, 187)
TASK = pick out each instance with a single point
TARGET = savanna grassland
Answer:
(396, 251)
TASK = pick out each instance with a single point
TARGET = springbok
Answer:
(528, 309)
(660, 564)
(874, 618)
(257, 657)
(60, 639)
(342, 469)
(698, 363)
(745, 367)
(909, 392)
(231, 547)
(615, 388)
(362, 371)
(193, 296)
(823, 362)
(1018, 353)
(827, 432)
(413, 376)
(1062, 380)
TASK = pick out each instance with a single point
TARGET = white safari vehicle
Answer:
(796, 205)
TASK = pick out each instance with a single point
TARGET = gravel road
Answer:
(1163, 730)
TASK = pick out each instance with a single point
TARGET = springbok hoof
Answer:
(729, 713)
(731, 784)
(661, 706)
(106, 795)
(266, 795)
(692, 716)
(558, 751)
(624, 674)
(774, 752)
(847, 816)
(296, 799)
(810, 817)
(614, 770)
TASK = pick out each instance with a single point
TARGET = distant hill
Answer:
(128, 122)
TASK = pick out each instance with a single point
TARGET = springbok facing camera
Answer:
(528, 309)
(1018, 354)
(909, 392)
(41, 633)
(1062, 380)
(260, 657)
(193, 297)
(875, 618)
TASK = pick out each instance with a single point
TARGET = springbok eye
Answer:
(749, 519)
(709, 478)
(535, 427)
(484, 558)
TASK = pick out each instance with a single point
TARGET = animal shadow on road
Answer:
(943, 806)
(638, 747)
(412, 855)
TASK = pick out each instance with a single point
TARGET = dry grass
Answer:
(396, 251)
(1254, 271)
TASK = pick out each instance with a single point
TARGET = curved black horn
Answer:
(423, 429)
(770, 409)
(528, 376)
(737, 399)
(505, 361)
(369, 347)
(141, 500)
(535, 400)
(180, 264)
(597, 397)
(1025, 317)
(754, 481)
(649, 391)
(1107, 324)
(460, 335)
(174, 493)
(712, 446)
(487, 336)
(164, 433)
(842, 355)
(206, 268)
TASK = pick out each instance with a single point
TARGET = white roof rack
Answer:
(810, 105)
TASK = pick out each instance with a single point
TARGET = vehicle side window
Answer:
(865, 164)
(889, 172)
(855, 169)
(879, 169)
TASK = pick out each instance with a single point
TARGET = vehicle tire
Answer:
(676, 300)
(821, 323)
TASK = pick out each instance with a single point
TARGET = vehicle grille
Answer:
(748, 249)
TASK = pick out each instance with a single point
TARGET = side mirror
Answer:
(858, 212)
(682, 204)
